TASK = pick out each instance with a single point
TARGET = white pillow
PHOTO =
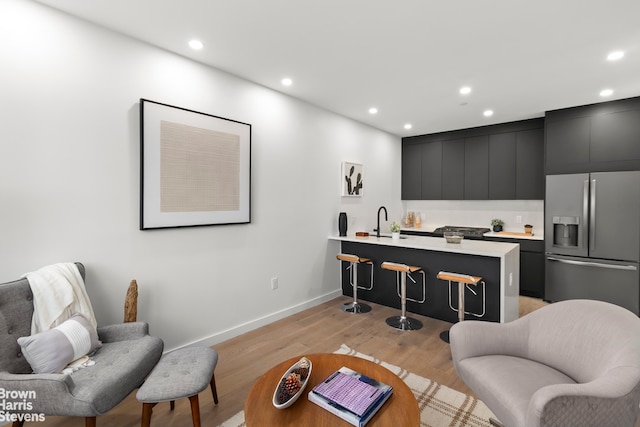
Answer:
(50, 351)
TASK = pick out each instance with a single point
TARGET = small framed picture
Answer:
(352, 183)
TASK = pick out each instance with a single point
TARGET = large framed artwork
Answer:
(352, 183)
(195, 168)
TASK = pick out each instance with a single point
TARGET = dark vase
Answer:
(342, 223)
(497, 228)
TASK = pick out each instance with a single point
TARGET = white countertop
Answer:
(469, 247)
(534, 236)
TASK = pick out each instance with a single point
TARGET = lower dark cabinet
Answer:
(532, 274)
(531, 265)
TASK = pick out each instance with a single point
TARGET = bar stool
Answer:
(354, 261)
(403, 322)
(464, 281)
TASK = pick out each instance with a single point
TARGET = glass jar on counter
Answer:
(412, 218)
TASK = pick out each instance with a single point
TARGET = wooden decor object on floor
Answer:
(131, 302)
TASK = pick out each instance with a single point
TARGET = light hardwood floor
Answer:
(320, 329)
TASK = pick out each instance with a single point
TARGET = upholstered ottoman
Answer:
(181, 373)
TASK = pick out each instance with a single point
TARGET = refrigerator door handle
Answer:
(592, 217)
(593, 264)
(585, 215)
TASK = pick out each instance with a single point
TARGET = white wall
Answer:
(69, 181)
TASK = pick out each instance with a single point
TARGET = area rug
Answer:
(440, 406)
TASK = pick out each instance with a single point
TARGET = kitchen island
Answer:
(496, 262)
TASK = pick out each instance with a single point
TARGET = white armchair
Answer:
(572, 363)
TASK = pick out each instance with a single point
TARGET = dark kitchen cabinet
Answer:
(499, 162)
(532, 274)
(476, 168)
(432, 170)
(453, 169)
(600, 137)
(615, 136)
(502, 166)
(411, 171)
(530, 164)
(531, 265)
(567, 142)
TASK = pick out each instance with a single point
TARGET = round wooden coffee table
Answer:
(400, 410)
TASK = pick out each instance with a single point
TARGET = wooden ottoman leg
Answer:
(214, 391)
(90, 422)
(195, 410)
(147, 409)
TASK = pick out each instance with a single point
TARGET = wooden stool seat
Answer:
(354, 260)
(400, 267)
(455, 277)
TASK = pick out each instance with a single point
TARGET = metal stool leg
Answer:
(463, 281)
(444, 335)
(403, 322)
(460, 301)
(355, 306)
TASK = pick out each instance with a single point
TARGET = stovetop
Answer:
(466, 231)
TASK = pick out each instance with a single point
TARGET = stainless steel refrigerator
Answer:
(592, 237)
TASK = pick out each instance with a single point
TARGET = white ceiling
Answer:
(408, 58)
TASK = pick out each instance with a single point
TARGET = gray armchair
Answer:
(122, 363)
(572, 363)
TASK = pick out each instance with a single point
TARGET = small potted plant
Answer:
(497, 224)
(528, 229)
(395, 230)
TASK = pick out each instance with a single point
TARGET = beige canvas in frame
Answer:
(195, 168)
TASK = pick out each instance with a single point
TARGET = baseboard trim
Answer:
(259, 322)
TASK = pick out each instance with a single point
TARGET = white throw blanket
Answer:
(58, 292)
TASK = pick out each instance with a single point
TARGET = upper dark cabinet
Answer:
(615, 136)
(593, 138)
(453, 169)
(502, 166)
(567, 141)
(500, 162)
(432, 170)
(530, 164)
(476, 168)
(411, 171)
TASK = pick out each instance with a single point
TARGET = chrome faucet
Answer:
(385, 218)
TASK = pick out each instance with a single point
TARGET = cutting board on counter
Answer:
(510, 233)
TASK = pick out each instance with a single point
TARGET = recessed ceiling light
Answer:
(408, 126)
(465, 90)
(196, 44)
(287, 81)
(488, 113)
(614, 56)
(606, 92)
(373, 110)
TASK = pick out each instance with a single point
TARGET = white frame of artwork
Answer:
(349, 188)
(152, 114)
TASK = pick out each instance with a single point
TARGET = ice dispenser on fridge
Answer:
(565, 231)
